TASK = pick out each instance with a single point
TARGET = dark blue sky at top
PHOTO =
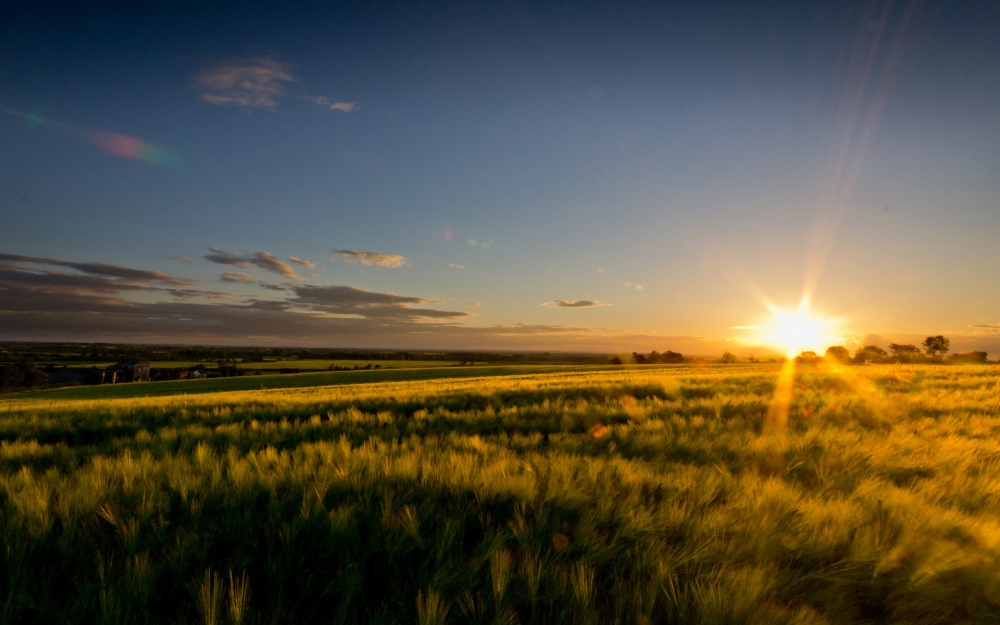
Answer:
(630, 137)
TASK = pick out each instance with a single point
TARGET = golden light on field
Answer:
(798, 331)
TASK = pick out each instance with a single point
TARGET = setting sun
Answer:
(798, 331)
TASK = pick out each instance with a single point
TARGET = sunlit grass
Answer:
(631, 496)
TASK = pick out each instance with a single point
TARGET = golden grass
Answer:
(628, 496)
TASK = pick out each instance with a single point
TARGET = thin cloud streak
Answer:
(104, 269)
(574, 303)
(369, 258)
(236, 276)
(267, 262)
(304, 263)
(347, 107)
(222, 257)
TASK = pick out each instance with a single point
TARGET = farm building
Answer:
(66, 376)
(127, 371)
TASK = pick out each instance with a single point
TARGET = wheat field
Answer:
(717, 494)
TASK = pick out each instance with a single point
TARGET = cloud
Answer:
(989, 326)
(574, 303)
(257, 82)
(236, 276)
(181, 258)
(38, 302)
(347, 107)
(268, 262)
(126, 274)
(304, 263)
(222, 257)
(473, 304)
(262, 260)
(94, 282)
(454, 266)
(747, 327)
(369, 258)
(270, 286)
(369, 304)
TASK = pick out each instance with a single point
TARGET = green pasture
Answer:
(272, 365)
(281, 381)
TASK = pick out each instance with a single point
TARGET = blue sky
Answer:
(514, 156)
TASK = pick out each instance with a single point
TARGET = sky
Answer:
(608, 177)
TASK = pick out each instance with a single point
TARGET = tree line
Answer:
(934, 350)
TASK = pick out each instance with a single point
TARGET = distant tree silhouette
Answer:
(934, 345)
(808, 356)
(655, 358)
(728, 358)
(904, 352)
(870, 353)
(838, 353)
(968, 357)
(615, 361)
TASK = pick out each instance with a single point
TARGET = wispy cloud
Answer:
(473, 304)
(105, 270)
(236, 276)
(262, 260)
(747, 327)
(181, 258)
(369, 258)
(989, 326)
(368, 304)
(574, 303)
(347, 107)
(304, 263)
(222, 257)
(267, 262)
(257, 82)
(454, 266)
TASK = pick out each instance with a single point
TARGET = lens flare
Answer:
(131, 147)
(114, 143)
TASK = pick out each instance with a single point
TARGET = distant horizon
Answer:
(761, 352)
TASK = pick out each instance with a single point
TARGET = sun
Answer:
(798, 331)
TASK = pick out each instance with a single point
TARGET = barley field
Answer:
(674, 494)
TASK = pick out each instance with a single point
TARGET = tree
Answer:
(870, 353)
(899, 351)
(904, 353)
(728, 358)
(672, 357)
(808, 356)
(934, 345)
(969, 357)
(838, 353)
